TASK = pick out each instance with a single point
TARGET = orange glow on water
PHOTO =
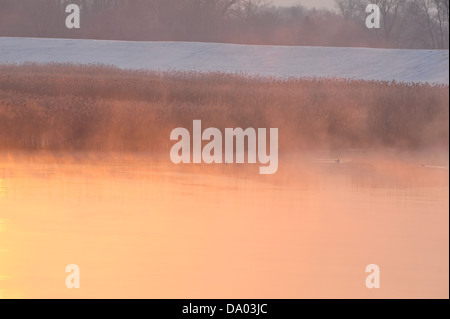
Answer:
(157, 231)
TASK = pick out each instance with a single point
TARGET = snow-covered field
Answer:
(281, 61)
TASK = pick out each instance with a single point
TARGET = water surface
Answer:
(148, 229)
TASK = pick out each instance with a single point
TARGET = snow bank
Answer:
(280, 61)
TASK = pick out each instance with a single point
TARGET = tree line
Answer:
(415, 24)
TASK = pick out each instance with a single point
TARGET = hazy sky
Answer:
(309, 3)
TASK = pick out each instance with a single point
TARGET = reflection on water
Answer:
(3, 192)
(140, 229)
(2, 258)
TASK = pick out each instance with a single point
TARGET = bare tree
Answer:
(250, 8)
(426, 6)
(442, 15)
(390, 11)
(350, 9)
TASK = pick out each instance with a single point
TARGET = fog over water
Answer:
(146, 228)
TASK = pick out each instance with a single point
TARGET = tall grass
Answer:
(72, 107)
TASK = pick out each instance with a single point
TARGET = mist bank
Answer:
(68, 107)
